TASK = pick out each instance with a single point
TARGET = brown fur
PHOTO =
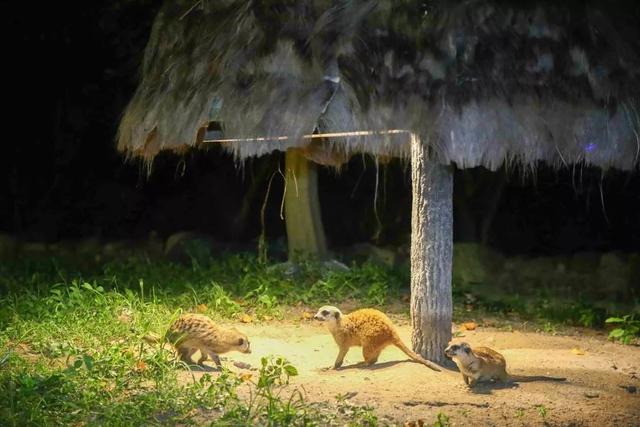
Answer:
(369, 328)
(485, 364)
(192, 332)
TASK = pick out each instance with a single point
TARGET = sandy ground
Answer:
(596, 392)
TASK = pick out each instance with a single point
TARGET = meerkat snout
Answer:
(456, 349)
(327, 312)
(244, 346)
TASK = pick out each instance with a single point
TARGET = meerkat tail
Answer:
(429, 364)
(152, 338)
(529, 378)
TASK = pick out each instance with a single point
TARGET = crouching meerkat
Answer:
(192, 332)
(369, 328)
(485, 364)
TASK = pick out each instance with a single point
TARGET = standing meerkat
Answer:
(192, 332)
(485, 364)
(368, 328)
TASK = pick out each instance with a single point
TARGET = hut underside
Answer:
(482, 83)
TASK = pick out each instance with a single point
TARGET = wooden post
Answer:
(431, 253)
(305, 233)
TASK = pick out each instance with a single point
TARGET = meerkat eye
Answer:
(467, 350)
(241, 341)
(325, 312)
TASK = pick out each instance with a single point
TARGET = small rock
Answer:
(372, 253)
(630, 388)
(367, 379)
(241, 365)
(187, 247)
(8, 246)
(335, 265)
(349, 395)
(591, 394)
(411, 403)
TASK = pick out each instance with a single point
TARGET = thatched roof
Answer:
(483, 82)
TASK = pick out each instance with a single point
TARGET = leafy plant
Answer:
(549, 328)
(542, 410)
(275, 371)
(221, 302)
(442, 420)
(627, 328)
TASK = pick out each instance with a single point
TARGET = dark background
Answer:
(72, 67)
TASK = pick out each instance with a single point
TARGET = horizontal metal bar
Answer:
(314, 136)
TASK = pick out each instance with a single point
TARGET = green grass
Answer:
(71, 349)
(72, 353)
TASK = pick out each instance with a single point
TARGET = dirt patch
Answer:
(601, 388)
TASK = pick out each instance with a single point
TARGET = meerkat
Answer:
(368, 328)
(485, 364)
(192, 332)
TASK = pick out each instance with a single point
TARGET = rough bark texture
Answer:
(431, 253)
(305, 233)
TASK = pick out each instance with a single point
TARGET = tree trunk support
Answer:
(431, 253)
(305, 233)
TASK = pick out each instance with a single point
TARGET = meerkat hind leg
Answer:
(203, 356)
(370, 354)
(186, 353)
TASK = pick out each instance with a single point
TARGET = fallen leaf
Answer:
(469, 326)
(307, 315)
(202, 308)
(141, 365)
(245, 318)
(267, 318)
(578, 351)
(246, 376)
(416, 423)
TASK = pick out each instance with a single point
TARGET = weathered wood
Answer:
(431, 253)
(305, 233)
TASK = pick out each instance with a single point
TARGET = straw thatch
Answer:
(483, 82)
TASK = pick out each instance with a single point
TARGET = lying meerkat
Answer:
(368, 328)
(484, 364)
(192, 332)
